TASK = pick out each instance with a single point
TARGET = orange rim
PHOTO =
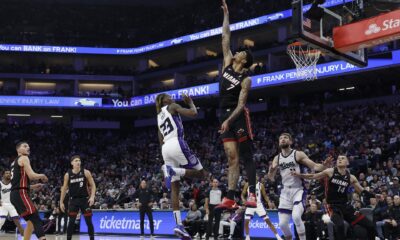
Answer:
(299, 44)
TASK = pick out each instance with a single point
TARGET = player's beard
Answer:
(284, 146)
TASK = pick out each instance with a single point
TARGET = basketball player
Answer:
(260, 210)
(21, 176)
(179, 159)
(235, 129)
(6, 208)
(337, 183)
(78, 180)
(293, 195)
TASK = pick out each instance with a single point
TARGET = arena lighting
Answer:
(266, 19)
(18, 115)
(152, 63)
(260, 99)
(56, 116)
(211, 53)
(248, 42)
(40, 84)
(350, 88)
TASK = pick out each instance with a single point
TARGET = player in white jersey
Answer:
(178, 158)
(260, 210)
(6, 208)
(293, 195)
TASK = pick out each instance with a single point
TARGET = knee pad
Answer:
(284, 224)
(37, 224)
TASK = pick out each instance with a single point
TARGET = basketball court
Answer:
(86, 237)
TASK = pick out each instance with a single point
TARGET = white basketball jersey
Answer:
(169, 125)
(5, 192)
(258, 192)
(288, 164)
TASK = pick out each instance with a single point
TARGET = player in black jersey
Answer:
(21, 176)
(337, 183)
(235, 129)
(78, 180)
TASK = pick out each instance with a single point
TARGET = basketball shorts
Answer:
(239, 130)
(176, 153)
(260, 210)
(76, 204)
(290, 197)
(22, 203)
(7, 209)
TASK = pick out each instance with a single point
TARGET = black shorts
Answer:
(347, 212)
(76, 204)
(22, 203)
(240, 130)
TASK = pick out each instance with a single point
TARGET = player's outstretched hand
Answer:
(328, 161)
(295, 174)
(225, 7)
(187, 99)
(43, 178)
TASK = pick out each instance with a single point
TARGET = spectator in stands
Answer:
(234, 220)
(192, 219)
(392, 227)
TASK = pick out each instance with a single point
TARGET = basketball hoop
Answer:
(305, 58)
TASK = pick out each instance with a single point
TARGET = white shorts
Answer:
(290, 197)
(260, 210)
(8, 210)
(176, 153)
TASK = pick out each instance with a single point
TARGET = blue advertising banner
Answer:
(31, 101)
(128, 222)
(139, 101)
(264, 80)
(258, 227)
(163, 44)
(323, 70)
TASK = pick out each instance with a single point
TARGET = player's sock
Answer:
(177, 216)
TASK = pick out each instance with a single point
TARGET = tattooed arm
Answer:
(244, 93)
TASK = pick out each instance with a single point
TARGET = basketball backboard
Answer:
(313, 24)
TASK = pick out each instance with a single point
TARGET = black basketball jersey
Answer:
(230, 85)
(77, 184)
(19, 178)
(337, 187)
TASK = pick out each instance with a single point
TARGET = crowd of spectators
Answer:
(114, 25)
(368, 134)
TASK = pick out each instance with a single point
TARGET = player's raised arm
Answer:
(326, 173)
(273, 169)
(187, 112)
(29, 171)
(305, 160)
(226, 36)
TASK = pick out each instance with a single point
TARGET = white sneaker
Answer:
(230, 237)
(197, 235)
(204, 235)
(247, 237)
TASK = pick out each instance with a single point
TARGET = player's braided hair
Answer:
(159, 101)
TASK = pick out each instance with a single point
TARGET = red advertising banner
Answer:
(367, 33)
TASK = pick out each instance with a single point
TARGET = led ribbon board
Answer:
(160, 45)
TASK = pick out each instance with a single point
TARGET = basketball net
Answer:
(305, 58)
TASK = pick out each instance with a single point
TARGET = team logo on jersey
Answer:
(234, 82)
(284, 166)
(6, 190)
(240, 132)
